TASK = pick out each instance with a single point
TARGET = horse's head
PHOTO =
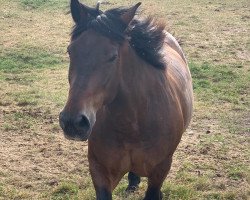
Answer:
(94, 66)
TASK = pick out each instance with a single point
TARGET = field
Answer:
(213, 158)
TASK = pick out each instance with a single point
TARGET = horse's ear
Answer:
(98, 6)
(78, 11)
(129, 14)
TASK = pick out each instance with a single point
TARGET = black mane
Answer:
(145, 36)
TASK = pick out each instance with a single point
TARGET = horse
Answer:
(130, 95)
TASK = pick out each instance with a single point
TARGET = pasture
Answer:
(37, 162)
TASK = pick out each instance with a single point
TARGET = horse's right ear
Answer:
(78, 11)
(129, 14)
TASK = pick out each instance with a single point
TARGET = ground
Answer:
(37, 162)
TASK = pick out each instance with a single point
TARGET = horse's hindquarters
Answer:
(179, 77)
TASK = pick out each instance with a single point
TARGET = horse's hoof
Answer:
(154, 196)
(131, 189)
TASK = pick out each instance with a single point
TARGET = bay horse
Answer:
(130, 95)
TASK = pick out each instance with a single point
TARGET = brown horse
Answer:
(130, 95)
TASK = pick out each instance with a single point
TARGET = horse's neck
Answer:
(140, 84)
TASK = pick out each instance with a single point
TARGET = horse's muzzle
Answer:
(75, 127)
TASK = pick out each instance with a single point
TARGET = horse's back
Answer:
(178, 76)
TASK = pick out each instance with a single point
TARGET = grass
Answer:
(21, 58)
(180, 192)
(212, 161)
(222, 83)
(65, 191)
(38, 4)
(238, 172)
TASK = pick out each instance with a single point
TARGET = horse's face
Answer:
(94, 72)
(93, 79)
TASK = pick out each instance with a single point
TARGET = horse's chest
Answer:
(144, 157)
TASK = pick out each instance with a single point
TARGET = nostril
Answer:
(83, 123)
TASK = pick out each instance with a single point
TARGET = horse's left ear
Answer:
(129, 14)
(78, 11)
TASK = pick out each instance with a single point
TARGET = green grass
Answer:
(50, 4)
(22, 58)
(226, 196)
(65, 191)
(27, 98)
(218, 84)
(179, 192)
(38, 4)
(18, 120)
(12, 193)
(237, 172)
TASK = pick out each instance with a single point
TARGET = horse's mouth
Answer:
(75, 137)
(72, 133)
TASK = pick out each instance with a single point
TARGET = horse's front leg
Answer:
(103, 180)
(105, 177)
(103, 194)
(156, 179)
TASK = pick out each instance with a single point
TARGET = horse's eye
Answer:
(113, 58)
